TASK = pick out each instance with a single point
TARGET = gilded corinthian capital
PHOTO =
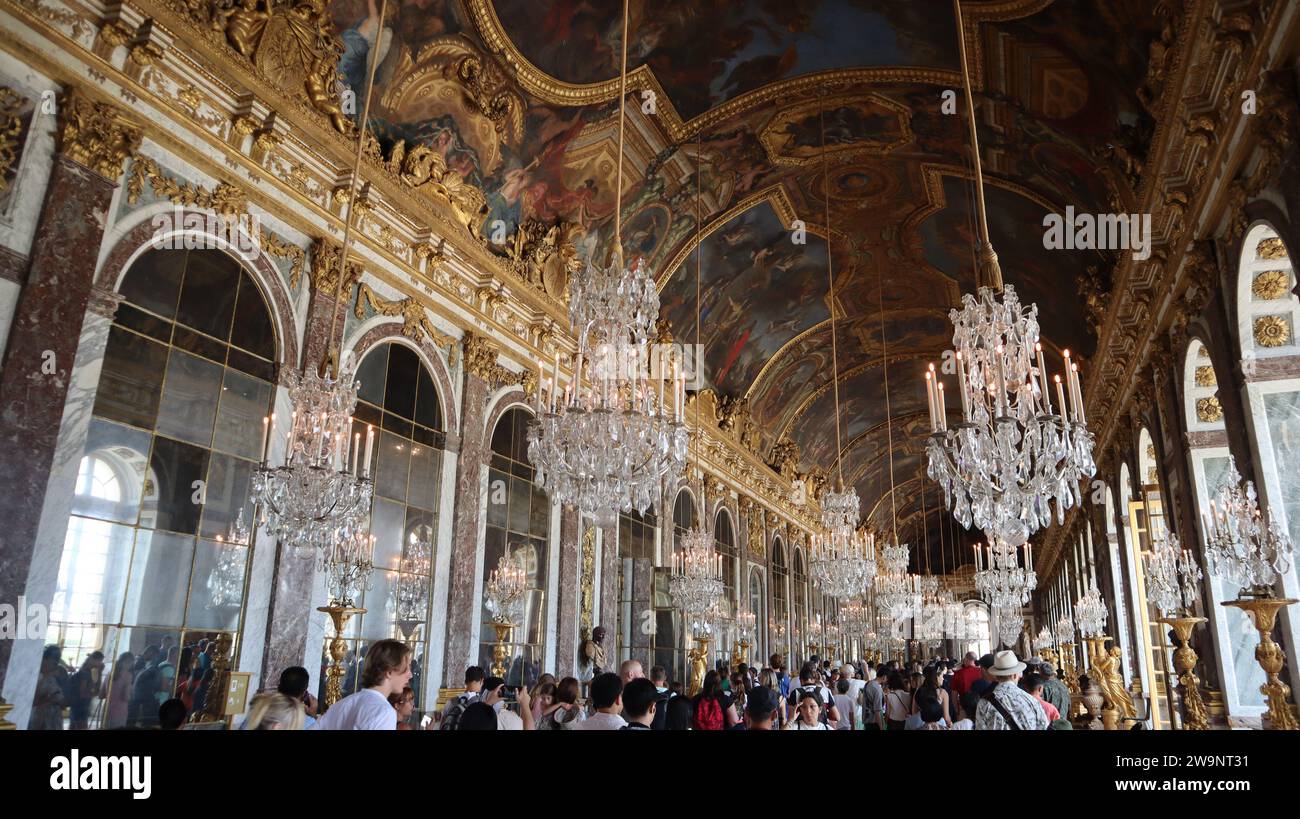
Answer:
(96, 135)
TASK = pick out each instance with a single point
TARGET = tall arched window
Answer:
(188, 375)
(799, 637)
(518, 523)
(755, 605)
(779, 628)
(398, 398)
(977, 620)
(1119, 584)
(1208, 448)
(724, 541)
(1268, 313)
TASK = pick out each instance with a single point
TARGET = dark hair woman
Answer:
(713, 709)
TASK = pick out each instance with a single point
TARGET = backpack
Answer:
(451, 719)
(708, 716)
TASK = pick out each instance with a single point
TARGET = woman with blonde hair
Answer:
(274, 711)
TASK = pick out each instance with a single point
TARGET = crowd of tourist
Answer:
(993, 692)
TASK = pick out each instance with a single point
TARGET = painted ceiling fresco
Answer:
(780, 110)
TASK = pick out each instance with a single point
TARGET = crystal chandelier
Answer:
(999, 577)
(1010, 623)
(843, 563)
(320, 491)
(1063, 630)
(898, 593)
(1043, 640)
(1240, 546)
(226, 582)
(745, 625)
(840, 509)
(505, 589)
(1090, 613)
(1172, 576)
(411, 590)
(347, 566)
(695, 582)
(855, 617)
(1011, 455)
(777, 631)
(610, 441)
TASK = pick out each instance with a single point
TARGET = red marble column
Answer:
(567, 587)
(607, 594)
(466, 531)
(45, 334)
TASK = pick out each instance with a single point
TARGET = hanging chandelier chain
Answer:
(987, 272)
(830, 287)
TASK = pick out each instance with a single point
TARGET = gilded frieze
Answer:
(11, 129)
(226, 200)
(326, 276)
(415, 322)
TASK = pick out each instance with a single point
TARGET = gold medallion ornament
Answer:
(1272, 331)
(1269, 285)
(1271, 248)
(1205, 377)
(1208, 410)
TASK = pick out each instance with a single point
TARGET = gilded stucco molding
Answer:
(11, 129)
(96, 135)
(415, 322)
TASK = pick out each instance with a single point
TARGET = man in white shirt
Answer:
(1015, 702)
(607, 697)
(386, 671)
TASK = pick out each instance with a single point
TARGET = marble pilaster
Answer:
(36, 381)
(642, 602)
(566, 632)
(470, 465)
(607, 596)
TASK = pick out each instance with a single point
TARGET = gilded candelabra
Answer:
(5, 724)
(1069, 674)
(501, 648)
(1262, 612)
(1197, 716)
(339, 616)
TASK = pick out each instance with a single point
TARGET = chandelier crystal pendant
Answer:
(613, 438)
(506, 587)
(999, 576)
(1012, 454)
(1063, 630)
(898, 593)
(226, 582)
(1043, 640)
(1172, 576)
(347, 565)
(1010, 623)
(411, 589)
(695, 581)
(321, 490)
(1240, 546)
(1090, 613)
(843, 562)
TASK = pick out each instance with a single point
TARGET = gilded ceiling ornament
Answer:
(786, 143)
(734, 416)
(1095, 290)
(481, 360)
(757, 541)
(77, 26)
(11, 128)
(227, 200)
(292, 43)
(415, 322)
(424, 169)
(545, 257)
(1271, 248)
(490, 93)
(116, 33)
(1205, 377)
(1272, 331)
(1159, 57)
(146, 53)
(326, 277)
(96, 135)
(785, 457)
(1271, 284)
(1208, 409)
(285, 250)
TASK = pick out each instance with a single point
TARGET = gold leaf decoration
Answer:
(225, 199)
(11, 127)
(1269, 285)
(1271, 248)
(96, 135)
(284, 250)
(1205, 377)
(415, 324)
(1208, 409)
(326, 276)
(1272, 331)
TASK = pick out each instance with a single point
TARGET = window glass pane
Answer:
(370, 372)
(394, 464)
(227, 495)
(111, 478)
(131, 379)
(403, 376)
(423, 486)
(252, 325)
(387, 525)
(92, 572)
(175, 468)
(218, 585)
(189, 400)
(520, 498)
(154, 281)
(497, 498)
(380, 611)
(157, 589)
(208, 293)
(245, 402)
(426, 403)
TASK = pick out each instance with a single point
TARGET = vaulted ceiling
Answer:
(746, 117)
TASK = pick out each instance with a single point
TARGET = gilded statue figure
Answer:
(244, 23)
(1108, 679)
(699, 665)
(592, 655)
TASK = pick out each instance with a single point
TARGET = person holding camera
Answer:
(498, 695)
